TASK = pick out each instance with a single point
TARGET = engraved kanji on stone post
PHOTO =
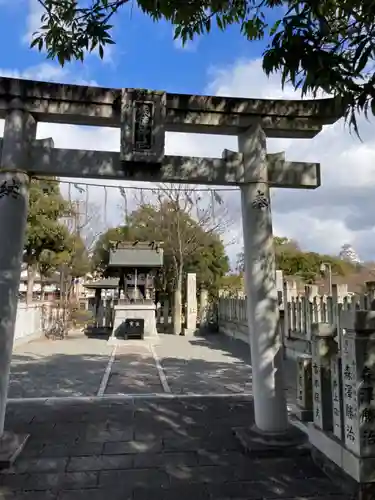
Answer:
(191, 303)
(337, 403)
(358, 374)
(304, 388)
(10, 187)
(322, 338)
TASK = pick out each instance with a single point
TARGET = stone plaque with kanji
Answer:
(350, 403)
(358, 373)
(321, 390)
(143, 114)
(317, 387)
(336, 384)
(304, 383)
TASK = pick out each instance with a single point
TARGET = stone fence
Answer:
(332, 339)
(298, 312)
(335, 393)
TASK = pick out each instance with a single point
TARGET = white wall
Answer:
(29, 322)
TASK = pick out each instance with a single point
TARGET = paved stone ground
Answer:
(134, 371)
(214, 364)
(76, 367)
(70, 367)
(156, 449)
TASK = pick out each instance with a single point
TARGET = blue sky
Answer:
(145, 54)
(220, 64)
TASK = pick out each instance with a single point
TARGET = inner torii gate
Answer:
(143, 117)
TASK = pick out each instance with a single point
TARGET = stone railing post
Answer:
(310, 292)
(191, 304)
(370, 290)
(358, 377)
(165, 313)
(203, 309)
(337, 402)
(158, 312)
(285, 317)
(323, 348)
(304, 410)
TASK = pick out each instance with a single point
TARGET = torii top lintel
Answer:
(83, 105)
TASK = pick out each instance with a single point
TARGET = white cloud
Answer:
(43, 72)
(48, 72)
(338, 212)
(33, 20)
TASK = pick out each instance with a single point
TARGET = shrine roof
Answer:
(105, 283)
(136, 255)
(83, 105)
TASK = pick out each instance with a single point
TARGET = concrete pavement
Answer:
(140, 449)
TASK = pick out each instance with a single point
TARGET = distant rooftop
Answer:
(105, 283)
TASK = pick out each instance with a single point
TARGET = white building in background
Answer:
(49, 285)
(46, 287)
(348, 253)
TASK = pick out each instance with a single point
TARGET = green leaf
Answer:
(275, 27)
(34, 42)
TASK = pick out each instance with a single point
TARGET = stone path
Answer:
(133, 371)
(79, 366)
(148, 449)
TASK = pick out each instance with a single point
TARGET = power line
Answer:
(77, 185)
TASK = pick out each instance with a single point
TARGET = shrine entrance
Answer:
(143, 118)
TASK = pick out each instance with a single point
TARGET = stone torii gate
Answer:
(144, 117)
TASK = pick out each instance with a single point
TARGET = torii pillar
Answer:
(19, 134)
(270, 406)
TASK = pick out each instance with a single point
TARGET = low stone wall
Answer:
(239, 330)
(234, 330)
(31, 321)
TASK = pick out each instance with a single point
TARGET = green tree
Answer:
(78, 260)
(232, 284)
(73, 264)
(318, 45)
(45, 231)
(294, 262)
(209, 262)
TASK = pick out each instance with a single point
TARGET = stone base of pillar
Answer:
(257, 444)
(11, 446)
